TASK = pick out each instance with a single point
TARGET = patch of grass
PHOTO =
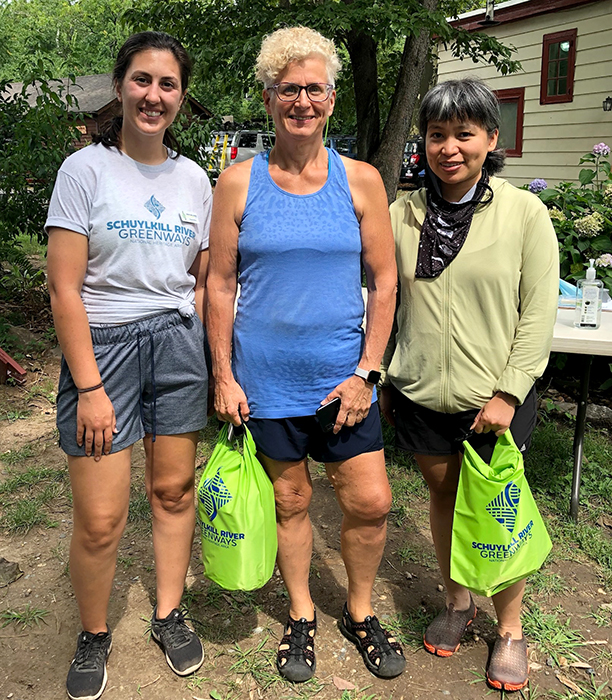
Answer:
(423, 555)
(27, 617)
(258, 663)
(358, 694)
(139, 512)
(553, 637)
(595, 692)
(407, 485)
(13, 457)
(208, 440)
(23, 511)
(544, 583)
(549, 466)
(31, 478)
(602, 617)
(16, 414)
(126, 562)
(30, 245)
(44, 389)
(22, 516)
(195, 682)
(408, 628)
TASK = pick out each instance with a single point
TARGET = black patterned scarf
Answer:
(446, 226)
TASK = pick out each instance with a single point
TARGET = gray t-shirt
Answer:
(145, 225)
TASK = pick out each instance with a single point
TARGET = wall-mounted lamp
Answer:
(607, 104)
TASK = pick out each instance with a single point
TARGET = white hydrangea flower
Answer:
(589, 226)
(556, 214)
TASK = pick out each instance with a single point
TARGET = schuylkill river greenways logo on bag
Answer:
(504, 509)
(214, 495)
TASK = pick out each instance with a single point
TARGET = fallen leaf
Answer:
(593, 641)
(341, 684)
(570, 684)
(535, 667)
(580, 664)
(605, 606)
(604, 520)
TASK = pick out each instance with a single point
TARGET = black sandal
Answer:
(382, 654)
(295, 659)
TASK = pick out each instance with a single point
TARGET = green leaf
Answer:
(602, 243)
(604, 167)
(586, 176)
(548, 194)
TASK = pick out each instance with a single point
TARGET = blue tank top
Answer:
(298, 330)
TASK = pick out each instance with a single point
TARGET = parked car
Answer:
(413, 162)
(345, 145)
(246, 144)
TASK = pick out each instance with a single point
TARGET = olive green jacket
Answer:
(485, 324)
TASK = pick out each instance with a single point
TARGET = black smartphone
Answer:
(326, 415)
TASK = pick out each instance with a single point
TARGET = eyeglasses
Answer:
(290, 92)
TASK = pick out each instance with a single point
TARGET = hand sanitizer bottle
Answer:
(588, 303)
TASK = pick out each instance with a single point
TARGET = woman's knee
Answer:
(171, 497)
(291, 502)
(99, 533)
(371, 507)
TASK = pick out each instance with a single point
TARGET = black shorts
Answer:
(426, 432)
(292, 439)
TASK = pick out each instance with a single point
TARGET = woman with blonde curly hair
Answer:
(295, 224)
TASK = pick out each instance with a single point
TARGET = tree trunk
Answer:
(362, 50)
(388, 156)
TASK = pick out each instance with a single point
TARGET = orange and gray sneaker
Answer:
(443, 636)
(508, 667)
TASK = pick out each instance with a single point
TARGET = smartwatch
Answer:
(371, 376)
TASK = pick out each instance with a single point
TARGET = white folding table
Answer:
(586, 342)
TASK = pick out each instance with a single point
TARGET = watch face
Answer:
(373, 377)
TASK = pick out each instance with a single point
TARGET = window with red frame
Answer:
(558, 60)
(511, 103)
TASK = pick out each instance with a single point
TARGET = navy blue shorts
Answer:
(292, 439)
(426, 432)
(154, 373)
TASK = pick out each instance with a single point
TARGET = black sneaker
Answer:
(180, 643)
(87, 675)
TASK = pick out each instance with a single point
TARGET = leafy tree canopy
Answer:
(384, 43)
(80, 37)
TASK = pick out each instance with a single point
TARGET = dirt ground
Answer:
(34, 660)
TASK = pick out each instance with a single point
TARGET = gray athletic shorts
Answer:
(154, 372)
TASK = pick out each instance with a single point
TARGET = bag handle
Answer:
(506, 456)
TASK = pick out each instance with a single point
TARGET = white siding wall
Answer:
(556, 135)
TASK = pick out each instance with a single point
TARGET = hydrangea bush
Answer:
(582, 216)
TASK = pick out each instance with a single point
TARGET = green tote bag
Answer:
(237, 516)
(499, 536)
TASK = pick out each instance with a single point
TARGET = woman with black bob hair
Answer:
(478, 273)
(127, 261)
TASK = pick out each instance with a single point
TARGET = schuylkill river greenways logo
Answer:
(504, 509)
(505, 506)
(214, 495)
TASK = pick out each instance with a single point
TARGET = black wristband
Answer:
(90, 388)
